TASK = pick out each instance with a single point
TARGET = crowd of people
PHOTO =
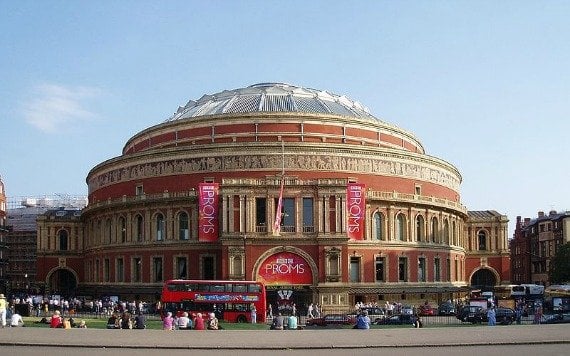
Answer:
(44, 305)
(190, 322)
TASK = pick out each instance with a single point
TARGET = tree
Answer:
(560, 265)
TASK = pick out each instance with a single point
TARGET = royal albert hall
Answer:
(300, 188)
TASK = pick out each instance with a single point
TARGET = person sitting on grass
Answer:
(56, 320)
(140, 322)
(113, 322)
(184, 323)
(213, 322)
(363, 321)
(168, 322)
(16, 320)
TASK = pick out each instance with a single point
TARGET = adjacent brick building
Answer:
(534, 244)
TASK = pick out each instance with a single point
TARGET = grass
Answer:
(101, 323)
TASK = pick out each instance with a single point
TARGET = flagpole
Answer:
(277, 223)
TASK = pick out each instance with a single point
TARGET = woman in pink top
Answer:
(199, 322)
(168, 322)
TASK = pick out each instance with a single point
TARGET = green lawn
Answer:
(101, 323)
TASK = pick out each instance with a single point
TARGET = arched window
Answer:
(420, 228)
(454, 234)
(378, 228)
(401, 227)
(63, 243)
(482, 239)
(123, 229)
(183, 226)
(139, 228)
(446, 232)
(160, 227)
(434, 230)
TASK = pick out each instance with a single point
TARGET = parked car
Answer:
(557, 319)
(332, 319)
(504, 316)
(374, 313)
(426, 310)
(399, 319)
(407, 310)
(470, 313)
(446, 308)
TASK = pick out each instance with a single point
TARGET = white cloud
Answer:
(56, 107)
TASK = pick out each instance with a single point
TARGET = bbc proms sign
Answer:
(355, 208)
(285, 268)
(208, 221)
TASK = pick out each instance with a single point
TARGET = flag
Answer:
(277, 224)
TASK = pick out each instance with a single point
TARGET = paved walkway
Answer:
(289, 339)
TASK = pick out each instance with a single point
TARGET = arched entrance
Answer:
(289, 274)
(62, 281)
(483, 279)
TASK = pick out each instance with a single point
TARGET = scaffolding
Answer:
(66, 201)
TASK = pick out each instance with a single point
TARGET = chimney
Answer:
(552, 212)
(541, 214)
(526, 221)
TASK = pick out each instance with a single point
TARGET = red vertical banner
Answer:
(208, 221)
(355, 210)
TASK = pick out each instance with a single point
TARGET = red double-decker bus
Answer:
(231, 301)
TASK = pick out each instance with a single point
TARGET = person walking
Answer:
(3, 306)
(491, 316)
(253, 310)
(538, 315)
(310, 311)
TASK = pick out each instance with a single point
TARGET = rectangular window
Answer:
(448, 270)
(355, 269)
(139, 190)
(181, 267)
(208, 268)
(137, 268)
(106, 267)
(422, 269)
(456, 270)
(402, 269)
(157, 269)
(120, 270)
(418, 189)
(437, 270)
(308, 222)
(379, 265)
(261, 214)
(332, 213)
(288, 214)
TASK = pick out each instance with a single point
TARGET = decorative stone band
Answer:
(425, 168)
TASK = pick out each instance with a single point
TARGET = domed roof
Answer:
(272, 97)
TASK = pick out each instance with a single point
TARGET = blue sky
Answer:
(483, 84)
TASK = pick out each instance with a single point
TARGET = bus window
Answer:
(240, 288)
(254, 288)
(217, 288)
(203, 287)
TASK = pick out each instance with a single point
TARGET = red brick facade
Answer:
(141, 225)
